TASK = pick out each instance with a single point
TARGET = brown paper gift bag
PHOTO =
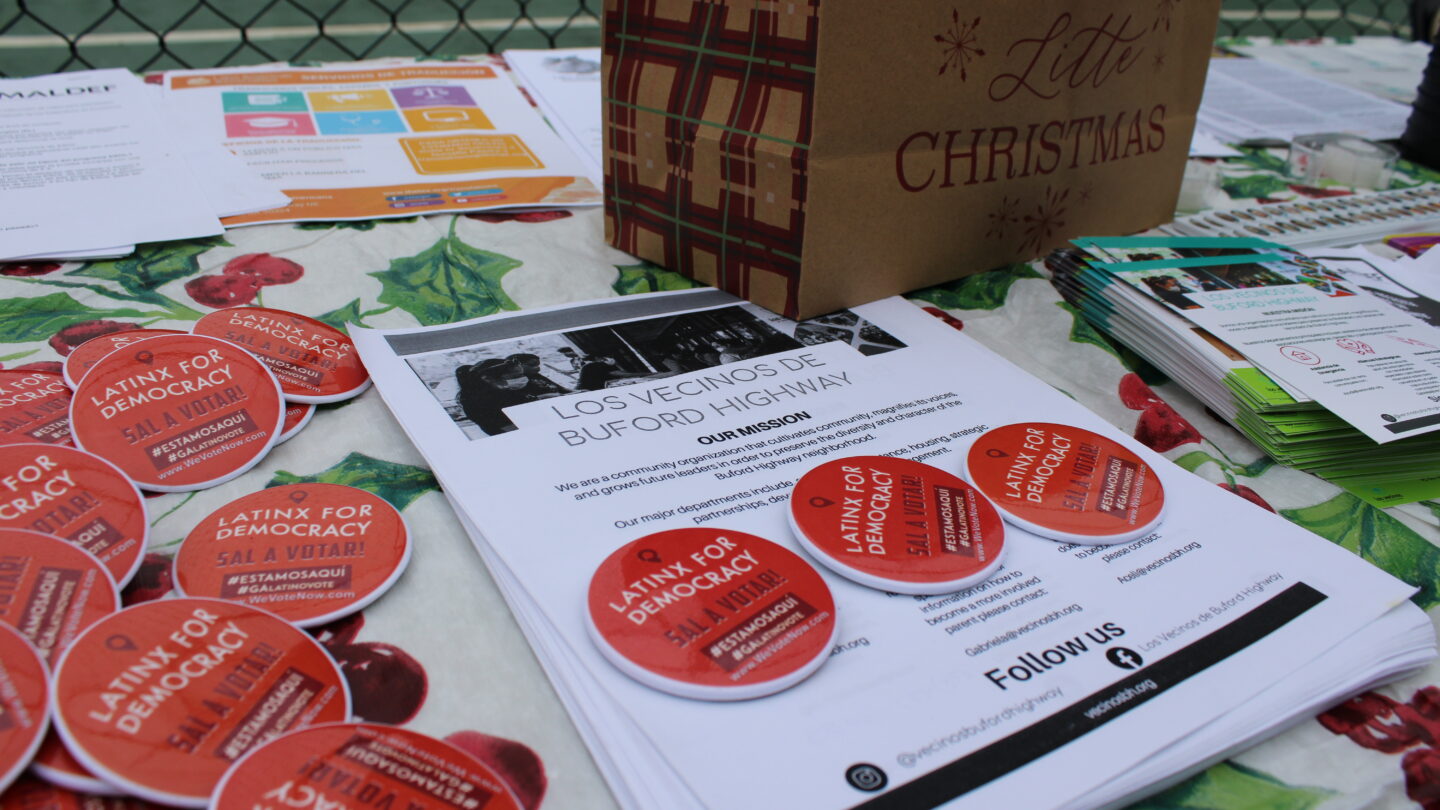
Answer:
(810, 159)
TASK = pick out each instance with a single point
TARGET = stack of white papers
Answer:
(1327, 361)
(1381, 66)
(88, 168)
(566, 85)
(1250, 99)
(1156, 657)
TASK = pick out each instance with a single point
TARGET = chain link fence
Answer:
(46, 36)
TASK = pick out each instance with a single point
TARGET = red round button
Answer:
(313, 361)
(160, 698)
(711, 614)
(1066, 483)
(34, 407)
(178, 412)
(896, 524)
(318, 767)
(24, 704)
(77, 496)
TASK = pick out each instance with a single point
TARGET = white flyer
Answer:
(383, 141)
(1253, 99)
(566, 85)
(566, 433)
(84, 167)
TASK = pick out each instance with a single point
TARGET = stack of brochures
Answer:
(1075, 676)
(96, 161)
(1329, 362)
(91, 167)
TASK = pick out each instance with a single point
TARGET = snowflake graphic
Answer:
(1049, 217)
(1085, 192)
(961, 45)
(1159, 59)
(1164, 10)
(1002, 218)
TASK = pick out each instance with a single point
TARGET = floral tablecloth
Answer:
(441, 652)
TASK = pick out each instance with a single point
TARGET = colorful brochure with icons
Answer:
(1330, 361)
(1072, 675)
(388, 140)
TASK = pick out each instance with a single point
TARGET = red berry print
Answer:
(1248, 494)
(1388, 726)
(1319, 193)
(1136, 395)
(1161, 428)
(152, 580)
(387, 685)
(219, 292)
(516, 762)
(523, 216)
(340, 632)
(1422, 777)
(264, 269)
(28, 269)
(73, 335)
(949, 319)
(50, 366)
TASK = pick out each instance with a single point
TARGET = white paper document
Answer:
(1382, 66)
(84, 168)
(566, 85)
(1206, 144)
(386, 141)
(1072, 666)
(1249, 99)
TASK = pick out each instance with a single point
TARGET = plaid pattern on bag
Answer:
(708, 126)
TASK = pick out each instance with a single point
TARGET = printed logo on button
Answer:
(53, 589)
(711, 614)
(313, 361)
(34, 407)
(897, 524)
(404, 768)
(77, 496)
(87, 354)
(1066, 483)
(24, 704)
(309, 553)
(219, 678)
(178, 412)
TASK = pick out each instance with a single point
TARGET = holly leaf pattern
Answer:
(1254, 185)
(400, 484)
(981, 291)
(449, 281)
(1082, 332)
(350, 313)
(1234, 787)
(1379, 538)
(1260, 158)
(646, 277)
(1194, 460)
(27, 319)
(154, 265)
